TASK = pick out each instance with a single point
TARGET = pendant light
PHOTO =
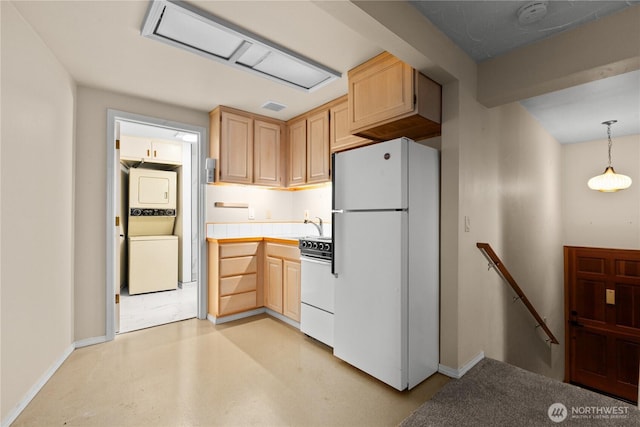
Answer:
(609, 181)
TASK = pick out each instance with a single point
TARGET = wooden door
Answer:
(167, 152)
(273, 284)
(297, 170)
(236, 148)
(291, 280)
(318, 155)
(267, 154)
(602, 310)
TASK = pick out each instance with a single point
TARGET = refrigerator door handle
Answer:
(335, 215)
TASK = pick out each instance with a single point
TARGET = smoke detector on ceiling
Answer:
(532, 12)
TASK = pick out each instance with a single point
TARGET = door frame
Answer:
(198, 154)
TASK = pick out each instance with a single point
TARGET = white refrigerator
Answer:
(386, 260)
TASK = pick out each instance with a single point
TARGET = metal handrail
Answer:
(496, 263)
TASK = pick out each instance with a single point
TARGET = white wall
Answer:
(90, 191)
(37, 170)
(268, 204)
(591, 218)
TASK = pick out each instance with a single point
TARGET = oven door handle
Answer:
(314, 260)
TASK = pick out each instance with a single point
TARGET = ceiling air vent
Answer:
(182, 25)
(273, 106)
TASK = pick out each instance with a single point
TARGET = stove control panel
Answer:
(316, 247)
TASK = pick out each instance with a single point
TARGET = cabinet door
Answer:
(340, 135)
(134, 148)
(379, 90)
(291, 305)
(166, 152)
(273, 284)
(236, 148)
(267, 154)
(318, 147)
(297, 170)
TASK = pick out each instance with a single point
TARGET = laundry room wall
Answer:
(90, 192)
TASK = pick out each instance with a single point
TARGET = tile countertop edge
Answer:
(284, 240)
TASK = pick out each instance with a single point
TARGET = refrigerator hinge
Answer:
(117, 144)
(117, 221)
(117, 298)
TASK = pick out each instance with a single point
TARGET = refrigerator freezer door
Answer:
(372, 177)
(370, 322)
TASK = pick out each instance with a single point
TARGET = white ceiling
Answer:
(486, 29)
(99, 43)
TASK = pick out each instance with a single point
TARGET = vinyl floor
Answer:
(253, 372)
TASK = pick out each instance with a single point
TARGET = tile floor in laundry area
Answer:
(255, 371)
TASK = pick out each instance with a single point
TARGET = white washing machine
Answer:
(153, 264)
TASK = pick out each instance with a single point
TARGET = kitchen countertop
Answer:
(283, 240)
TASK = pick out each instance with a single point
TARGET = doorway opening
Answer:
(155, 236)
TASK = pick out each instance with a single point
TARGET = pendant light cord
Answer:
(609, 136)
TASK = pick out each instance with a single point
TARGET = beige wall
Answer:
(591, 218)
(38, 98)
(90, 205)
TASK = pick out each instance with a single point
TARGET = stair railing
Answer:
(498, 266)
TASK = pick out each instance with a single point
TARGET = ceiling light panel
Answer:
(181, 25)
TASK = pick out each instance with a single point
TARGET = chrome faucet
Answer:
(318, 226)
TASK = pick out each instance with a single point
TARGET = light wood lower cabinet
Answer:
(282, 279)
(234, 277)
(248, 275)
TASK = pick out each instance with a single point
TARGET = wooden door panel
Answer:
(628, 353)
(590, 300)
(591, 353)
(627, 305)
(603, 334)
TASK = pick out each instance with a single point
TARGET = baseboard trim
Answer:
(458, 373)
(232, 317)
(15, 412)
(282, 318)
(90, 341)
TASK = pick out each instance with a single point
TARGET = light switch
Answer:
(467, 224)
(252, 213)
(611, 296)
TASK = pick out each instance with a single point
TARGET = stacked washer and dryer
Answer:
(153, 249)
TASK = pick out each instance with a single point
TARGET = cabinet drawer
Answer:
(229, 250)
(238, 284)
(237, 303)
(283, 251)
(238, 266)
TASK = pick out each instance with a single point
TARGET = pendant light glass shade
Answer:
(609, 181)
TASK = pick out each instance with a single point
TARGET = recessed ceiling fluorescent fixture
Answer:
(182, 25)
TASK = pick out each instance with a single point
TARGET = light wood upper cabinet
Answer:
(267, 160)
(236, 148)
(150, 150)
(297, 153)
(340, 136)
(309, 155)
(318, 153)
(389, 99)
(248, 147)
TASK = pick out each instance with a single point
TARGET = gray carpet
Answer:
(493, 393)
